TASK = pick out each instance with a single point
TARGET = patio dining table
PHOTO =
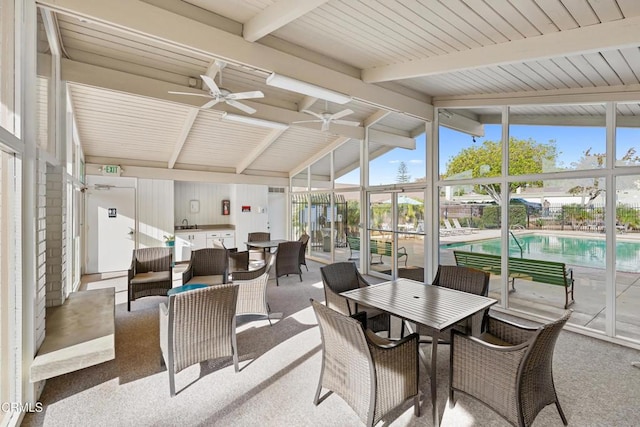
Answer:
(266, 245)
(436, 307)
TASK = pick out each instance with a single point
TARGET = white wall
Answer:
(256, 196)
(209, 196)
(155, 199)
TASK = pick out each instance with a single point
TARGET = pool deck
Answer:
(543, 299)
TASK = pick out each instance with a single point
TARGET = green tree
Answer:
(403, 173)
(525, 157)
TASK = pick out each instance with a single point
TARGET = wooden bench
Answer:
(550, 272)
(79, 333)
(378, 248)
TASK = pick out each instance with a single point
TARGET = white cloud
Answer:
(394, 161)
(416, 161)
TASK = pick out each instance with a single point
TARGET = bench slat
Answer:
(542, 271)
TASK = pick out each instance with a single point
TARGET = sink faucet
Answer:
(187, 221)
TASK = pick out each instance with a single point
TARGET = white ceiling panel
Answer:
(332, 42)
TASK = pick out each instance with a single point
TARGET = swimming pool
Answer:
(587, 252)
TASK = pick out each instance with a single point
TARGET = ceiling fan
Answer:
(326, 118)
(219, 94)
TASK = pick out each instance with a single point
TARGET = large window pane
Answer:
(628, 135)
(348, 216)
(465, 155)
(396, 159)
(627, 257)
(556, 138)
(347, 164)
(321, 174)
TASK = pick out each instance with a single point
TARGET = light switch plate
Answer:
(194, 206)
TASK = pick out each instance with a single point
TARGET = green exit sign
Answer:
(111, 170)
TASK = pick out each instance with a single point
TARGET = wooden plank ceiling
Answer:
(394, 58)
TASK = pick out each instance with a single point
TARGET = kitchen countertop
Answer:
(207, 227)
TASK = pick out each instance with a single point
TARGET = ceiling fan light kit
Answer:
(288, 83)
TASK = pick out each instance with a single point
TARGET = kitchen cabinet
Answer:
(227, 237)
(187, 242)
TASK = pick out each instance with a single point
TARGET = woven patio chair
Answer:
(303, 250)
(508, 368)
(252, 290)
(344, 276)
(197, 326)
(288, 260)
(238, 261)
(150, 273)
(257, 236)
(463, 279)
(209, 266)
(372, 374)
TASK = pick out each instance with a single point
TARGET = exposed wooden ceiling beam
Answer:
(277, 15)
(157, 24)
(105, 78)
(256, 152)
(375, 117)
(593, 38)
(184, 133)
(319, 155)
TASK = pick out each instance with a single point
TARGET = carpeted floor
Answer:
(280, 365)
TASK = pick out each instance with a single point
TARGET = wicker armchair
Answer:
(257, 236)
(196, 326)
(372, 374)
(209, 266)
(463, 279)
(508, 368)
(238, 261)
(252, 290)
(344, 276)
(303, 250)
(287, 260)
(150, 273)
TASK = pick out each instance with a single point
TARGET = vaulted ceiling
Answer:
(394, 60)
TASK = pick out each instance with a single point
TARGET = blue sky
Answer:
(571, 143)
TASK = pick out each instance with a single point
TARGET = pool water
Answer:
(570, 250)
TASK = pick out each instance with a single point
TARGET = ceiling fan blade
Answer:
(307, 121)
(246, 95)
(241, 106)
(346, 122)
(314, 114)
(341, 114)
(213, 87)
(210, 104)
(190, 93)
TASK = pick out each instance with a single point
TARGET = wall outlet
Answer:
(194, 206)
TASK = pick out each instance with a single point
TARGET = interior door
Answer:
(111, 228)
(277, 212)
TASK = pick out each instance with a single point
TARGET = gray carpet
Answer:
(280, 365)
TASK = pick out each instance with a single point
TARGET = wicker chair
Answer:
(463, 279)
(252, 292)
(372, 374)
(196, 326)
(238, 261)
(150, 273)
(258, 236)
(508, 368)
(344, 276)
(288, 260)
(209, 266)
(303, 250)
